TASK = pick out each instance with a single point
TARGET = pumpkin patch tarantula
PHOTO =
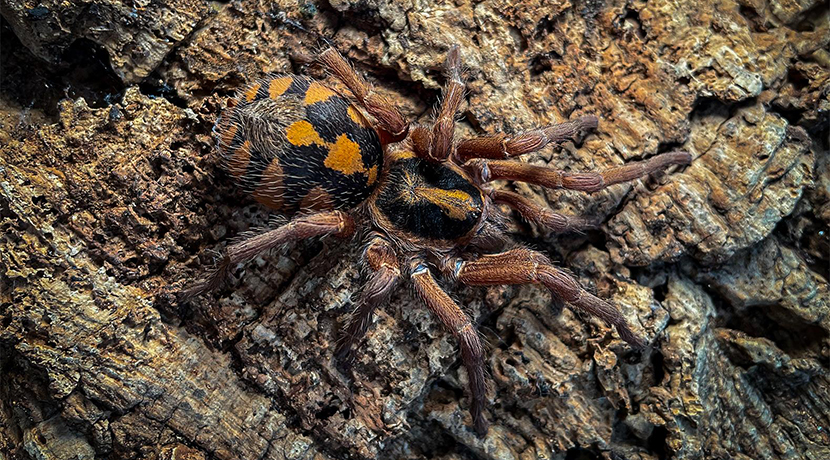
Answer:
(303, 149)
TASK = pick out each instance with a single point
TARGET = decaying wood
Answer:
(111, 199)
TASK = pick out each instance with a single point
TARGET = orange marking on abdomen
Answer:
(372, 175)
(250, 95)
(344, 156)
(278, 86)
(303, 133)
(238, 162)
(357, 117)
(318, 199)
(271, 187)
(317, 93)
(226, 136)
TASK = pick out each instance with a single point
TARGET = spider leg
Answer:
(391, 124)
(500, 146)
(490, 170)
(541, 215)
(524, 266)
(324, 223)
(385, 278)
(472, 353)
(444, 127)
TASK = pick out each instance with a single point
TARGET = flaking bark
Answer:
(111, 199)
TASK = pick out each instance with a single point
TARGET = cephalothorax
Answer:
(303, 149)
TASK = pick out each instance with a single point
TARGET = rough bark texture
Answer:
(111, 199)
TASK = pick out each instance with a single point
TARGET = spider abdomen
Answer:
(426, 200)
(295, 144)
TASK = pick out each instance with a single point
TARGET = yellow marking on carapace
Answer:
(303, 133)
(238, 162)
(226, 136)
(270, 190)
(372, 175)
(344, 156)
(278, 86)
(317, 93)
(357, 117)
(455, 203)
(250, 95)
(401, 155)
(317, 199)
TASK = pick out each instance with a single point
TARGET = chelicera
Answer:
(303, 149)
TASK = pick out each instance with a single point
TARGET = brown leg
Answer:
(490, 170)
(444, 127)
(541, 216)
(391, 123)
(385, 277)
(472, 353)
(421, 137)
(500, 146)
(335, 222)
(523, 266)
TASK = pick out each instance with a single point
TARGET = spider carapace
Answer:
(303, 149)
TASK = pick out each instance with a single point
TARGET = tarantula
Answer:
(301, 148)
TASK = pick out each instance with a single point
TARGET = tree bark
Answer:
(112, 199)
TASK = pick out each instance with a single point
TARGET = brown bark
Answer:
(111, 199)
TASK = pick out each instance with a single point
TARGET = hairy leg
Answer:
(540, 215)
(524, 266)
(443, 129)
(472, 353)
(324, 223)
(393, 127)
(501, 146)
(490, 170)
(386, 275)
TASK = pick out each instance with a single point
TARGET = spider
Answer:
(305, 150)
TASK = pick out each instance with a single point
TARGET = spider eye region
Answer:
(428, 200)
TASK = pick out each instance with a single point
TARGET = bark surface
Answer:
(112, 198)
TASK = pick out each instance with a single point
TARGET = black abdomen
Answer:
(427, 200)
(295, 144)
